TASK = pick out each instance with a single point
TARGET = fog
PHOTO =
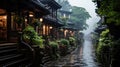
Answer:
(90, 7)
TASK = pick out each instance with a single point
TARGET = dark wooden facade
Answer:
(26, 9)
(50, 22)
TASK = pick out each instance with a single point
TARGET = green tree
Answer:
(110, 10)
(79, 16)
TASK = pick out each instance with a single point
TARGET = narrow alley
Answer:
(59, 33)
(82, 56)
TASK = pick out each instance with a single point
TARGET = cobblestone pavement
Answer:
(83, 56)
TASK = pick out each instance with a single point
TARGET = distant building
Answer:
(65, 14)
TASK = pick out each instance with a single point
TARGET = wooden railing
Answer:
(34, 52)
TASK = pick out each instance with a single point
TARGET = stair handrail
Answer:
(26, 44)
(21, 42)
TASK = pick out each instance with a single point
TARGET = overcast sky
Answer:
(90, 7)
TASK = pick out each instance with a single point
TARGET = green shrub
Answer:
(54, 44)
(103, 49)
(55, 47)
(29, 33)
(108, 50)
(38, 41)
(72, 41)
(65, 42)
(30, 36)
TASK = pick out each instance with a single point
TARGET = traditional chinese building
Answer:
(14, 17)
(23, 11)
(50, 24)
(64, 14)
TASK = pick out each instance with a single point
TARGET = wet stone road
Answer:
(83, 56)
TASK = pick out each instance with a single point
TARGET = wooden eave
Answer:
(63, 11)
(41, 7)
(14, 5)
(69, 28)
(52, 4)
(54, 23)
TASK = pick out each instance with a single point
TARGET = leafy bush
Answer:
(38, 41)
(55, 47)
(30, 36)
(108, 50)
(65, 42)
(29, 33)
(72, 41)
(54, 44)
(103, 49)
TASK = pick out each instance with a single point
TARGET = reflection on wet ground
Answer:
(89, 55)
(83, 56)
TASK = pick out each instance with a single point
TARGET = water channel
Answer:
(83, 56)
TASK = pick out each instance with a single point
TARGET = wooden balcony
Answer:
(52, 21)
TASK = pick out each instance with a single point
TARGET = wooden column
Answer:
(28, 18)
(8, 25)
(56, 16)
